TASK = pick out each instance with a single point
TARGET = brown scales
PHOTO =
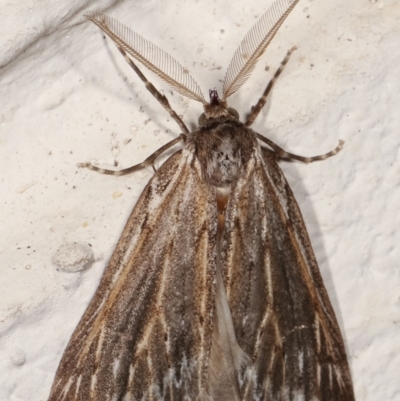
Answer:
(213, 291)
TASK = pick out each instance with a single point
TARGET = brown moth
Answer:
(213, 291)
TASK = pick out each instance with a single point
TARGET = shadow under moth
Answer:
(213, 291)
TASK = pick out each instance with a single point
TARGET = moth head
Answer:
(216, 109)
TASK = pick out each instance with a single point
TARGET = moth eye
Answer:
(202, 119)
(233, 113)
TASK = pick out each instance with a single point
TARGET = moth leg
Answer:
(286, 155)
(148, 162)
(152, 89)
(255, 110)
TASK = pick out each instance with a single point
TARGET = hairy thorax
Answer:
(223, 149)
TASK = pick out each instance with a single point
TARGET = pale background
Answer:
(67, 96)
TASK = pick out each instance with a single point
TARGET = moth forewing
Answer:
(213, 291)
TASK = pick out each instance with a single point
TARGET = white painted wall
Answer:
(67, 96)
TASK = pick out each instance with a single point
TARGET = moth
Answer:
(213, 291)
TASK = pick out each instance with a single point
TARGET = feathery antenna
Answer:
(150, 55)
(254, 44)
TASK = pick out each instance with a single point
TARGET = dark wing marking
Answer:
(147, 331)
(281, 312)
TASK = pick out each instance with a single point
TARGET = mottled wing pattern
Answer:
(146, 334)
(282, 316)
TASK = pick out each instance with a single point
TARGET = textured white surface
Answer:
(67, 96)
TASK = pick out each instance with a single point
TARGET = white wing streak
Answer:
(282, 316)
(137, 348)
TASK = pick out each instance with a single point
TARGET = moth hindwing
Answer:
(213, 291)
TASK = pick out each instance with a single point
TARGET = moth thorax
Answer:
(224, 150)
(224, 164)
